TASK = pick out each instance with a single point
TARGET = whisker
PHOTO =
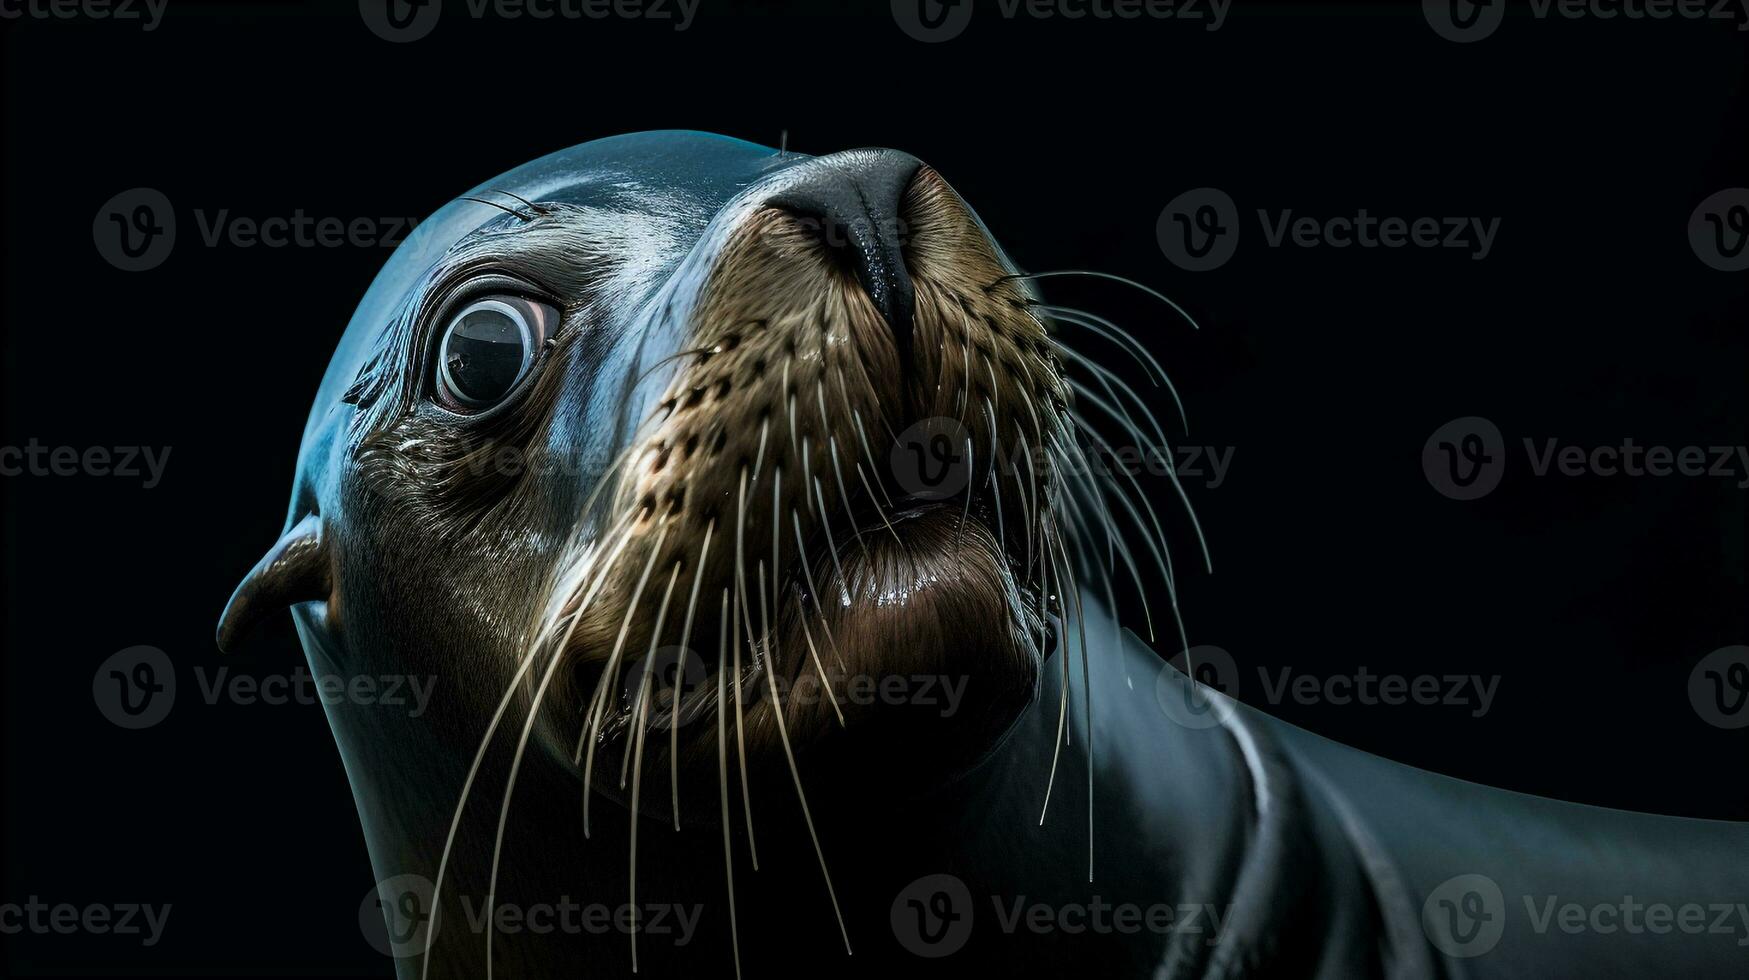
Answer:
(723, 776)
(680, 674)
(1063, 703)
(522, 746)
(832, 546)
(1110, 331)
(814, 590)
(752, 651)
(795, 774)
(600, 576)
(879, 511)
(862, 435)
(1073, 588)
(637, 766)
(1111, 378)
(592, 731)
(639, 704)
(844, 496)
(1093, 274)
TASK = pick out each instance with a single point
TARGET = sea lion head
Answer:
(671, 434)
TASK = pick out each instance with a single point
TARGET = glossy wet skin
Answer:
(706, 362)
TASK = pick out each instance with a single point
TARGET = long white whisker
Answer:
(593, 730)
(1095, 274)
(752, 651)
(522, 745)
(680, 676)
(801, 795)
(600, 575)
(637, 766)
(723, 776)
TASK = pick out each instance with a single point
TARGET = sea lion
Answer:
(685, 466)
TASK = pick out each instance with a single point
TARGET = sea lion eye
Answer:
(488, 346)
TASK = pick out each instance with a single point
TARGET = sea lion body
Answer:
(720, 342)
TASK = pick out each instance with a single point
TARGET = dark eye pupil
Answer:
(484, 355)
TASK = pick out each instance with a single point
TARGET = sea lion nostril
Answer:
(853, 200)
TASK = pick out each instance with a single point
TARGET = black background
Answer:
(1325, 370)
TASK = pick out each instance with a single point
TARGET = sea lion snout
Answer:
(854, 198)
(858, 363)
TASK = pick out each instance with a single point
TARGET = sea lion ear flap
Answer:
(296, 569)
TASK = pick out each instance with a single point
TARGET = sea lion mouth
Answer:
(827, 512)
